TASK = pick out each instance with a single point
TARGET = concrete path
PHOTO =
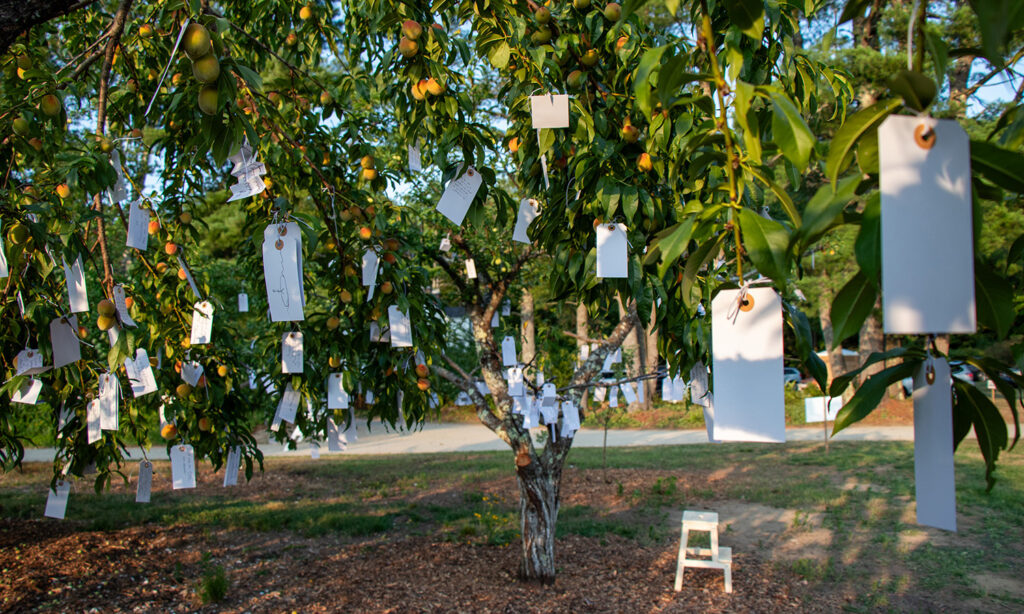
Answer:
(436, 437)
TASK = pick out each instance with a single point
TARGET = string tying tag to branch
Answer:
(170, 61)
(744, 302)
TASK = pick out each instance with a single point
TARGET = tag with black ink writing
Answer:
(470, 269)
(289, 404)
(291, 352)
(108, 402)
(145, 483)
(415, 159)
(282, 270)
(138, 226)
(120, 303)
(232, 465)
(140, 373)
(459, 195)
(183, 467)
(30, 362)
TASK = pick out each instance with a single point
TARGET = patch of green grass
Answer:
(588, 522)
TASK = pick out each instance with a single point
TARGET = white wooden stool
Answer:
(721, 558)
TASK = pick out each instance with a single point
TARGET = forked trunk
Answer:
(538, 512)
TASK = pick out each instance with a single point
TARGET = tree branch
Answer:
(17, 16)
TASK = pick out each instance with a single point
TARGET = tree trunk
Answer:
(651, 357)
(582, 333)
(539, 488)
(528, 337)
(896, 388)
(871, 340)
(631, 355)
(835, 356)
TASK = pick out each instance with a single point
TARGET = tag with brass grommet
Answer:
(282, 230)
(929, 374)
(746, 302)
(924, 136)
(279, 244)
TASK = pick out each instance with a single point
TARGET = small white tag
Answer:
(371, 262)
(459, 195)
(145, 484)
(699, 384)
(462, 399)
(549, 404)
(57, 500)
(314, 450)
(231, 466)
(122, 306)
(600, 393)
(289, 404)
(140, 374)
(138, 226)
(815, 408)
(508, 352)
(202, 323)
(92, 421)
(550, 111)
(188, 277)
(108, 402)
(75, 280)
(494, 320)
(3, 258)
(282, 270)
(183, 467)
(243, 303)
(446, 245)
(30, 362)
(415, 160)
(191, 371)
(679, 387)
(570, 419)
(515, 382)
(481, 387)
(506, 308)
(291, 353)
(628, 392)
(613, 397)
(612, 251)
(119, 191)
(401, 328)
(519, 404)
(28, 394)
(337, 398)
(529, 208)
(470, 268)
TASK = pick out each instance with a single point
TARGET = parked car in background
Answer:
(959, 370)
(791, 374)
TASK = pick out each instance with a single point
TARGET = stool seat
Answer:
(718, 557)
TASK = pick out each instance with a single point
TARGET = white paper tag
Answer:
(119, 191)
(494, 320)
(336, 441)
(183, 467)
(613, 396)
(57, 500)
(140, 373)
(709, 418)
(470, 269)
(612, 251)
(243, 303)
(138, 226)
(679, 386)
(401, 328)
(144, 486)
(529, 208)
(814, 408)
(3, 257)
(75, 280)
(934, 476)
(337, 397)
(371, 263)
(415, 160)
(231, 466)
(188, 277)
(549, 404)
(600, 394)
(92, 421)
(282, 270)
(747, 366)
(628, 392)
(122, 306)
(291, 353)
(28, 394)
(446, 245)
(459, 195)
(108, 402)
(508, 352)
(191, 371)
(550, 111)
(202, 323)
(699, 384)
(30, 362)
(289, 404)
(481, 387)
(570, 419)
(462, 399)
(927, 236)
(515, 382)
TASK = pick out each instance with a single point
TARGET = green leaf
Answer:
(499, 55)
(840, 383)
(790, 131)
(1009, 384)
(704, 252)
(852, 130)
(801, 328)
(1003, 167)
(870, 393)
(917, 90)
(867, 154)
(1015, 252)
(989, 426)
(995, 297)
(650, 61)
(997, 19)
(825, 206)
(787, 202)
(853, 9)
(765, 242)
(673, 242)
(868, 245)
(851, 306)
(748, 16)
(939, 51)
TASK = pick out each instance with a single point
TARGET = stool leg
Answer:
(714, 544)
(680, 566)
(728, 578)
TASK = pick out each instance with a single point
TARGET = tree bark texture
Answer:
(17, 16)
(538, 513)
(632, 353)
(835, 356)
(871, 340)
(528, 336)
(582, 334)
(651, 357)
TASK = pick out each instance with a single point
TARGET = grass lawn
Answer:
(840, 523)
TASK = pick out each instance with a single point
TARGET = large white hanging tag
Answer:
(600, 393)
(57, 500)
(459, 195)
(291, 353)
(335, 437)
(612, 251)
(28, 394)
(93, 432)
(550, 111)
(549, 404)
(75, 279)
(232, 465)
(400, 327)
(30, 362)
(138, 226)
(679, 387)
(817, 409)
(570, 419)
(613, 396)
(371, 263)
(927, 236)
(282, 270)
(191, 371)
(529, 208)
(746, 330)
(108, 402)
(144, 485)
(508, 351)
(934, 477)
(337, 397)
(515, 382)
(289, 404)
(140, 373)
(183, 467)
(202, 323)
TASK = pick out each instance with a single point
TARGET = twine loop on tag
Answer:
(744, 302)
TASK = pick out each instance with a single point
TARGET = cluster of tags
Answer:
(541, 407)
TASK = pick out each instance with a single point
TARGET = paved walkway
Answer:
(436, 437)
